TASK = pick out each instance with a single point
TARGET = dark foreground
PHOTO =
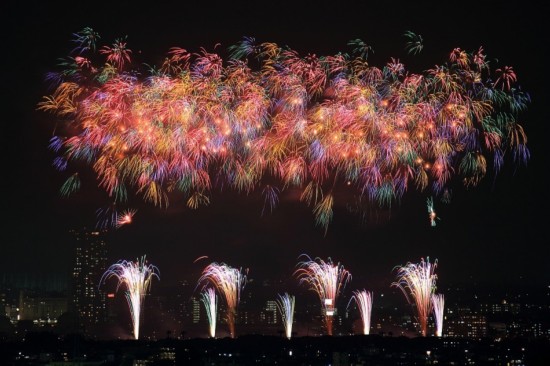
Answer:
(48, 349)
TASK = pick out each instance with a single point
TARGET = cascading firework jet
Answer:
(438, 303)
(229, 282)
(318, 124)
(327, 280)
(285, 304)
(417, 282)
(137, 277)
(210, 301)
(363, 299)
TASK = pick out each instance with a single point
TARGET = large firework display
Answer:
(267, 119)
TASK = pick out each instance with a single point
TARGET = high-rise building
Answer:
(269, 315)
(196, 309)
(90, 248)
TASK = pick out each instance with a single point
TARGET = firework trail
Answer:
(210, 301)
(438, 303)
(327, 280)
(137, 277)
(335, 127)
(363, 299)
(229, 282)
(417, 282)
(431, 212)
(285, 303)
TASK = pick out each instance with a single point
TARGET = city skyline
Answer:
(494, 233)
(177, 309)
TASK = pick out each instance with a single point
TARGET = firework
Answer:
(415, 43)
(327, 280)
(137, 277)
(125, 218)
(431, 212)
(109, 217)
(210, 301)
(438, 303)
(285, 304)
(363, 300)
(229, 282)
(321, 125)
(417, 282)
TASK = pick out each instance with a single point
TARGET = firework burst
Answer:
(229, 282)
(327, 280)
(137, 277)
(417, 282)
(125, 218)
(336, 128)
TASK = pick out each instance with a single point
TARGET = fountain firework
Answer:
(210, 301)
(229, 282)
(327, 280)
(285, 303)
(363, 299)
(137, 277)
(438, 303)
(417, 282)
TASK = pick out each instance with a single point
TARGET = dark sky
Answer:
(495, 233)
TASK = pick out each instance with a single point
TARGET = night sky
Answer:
(495, 233)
